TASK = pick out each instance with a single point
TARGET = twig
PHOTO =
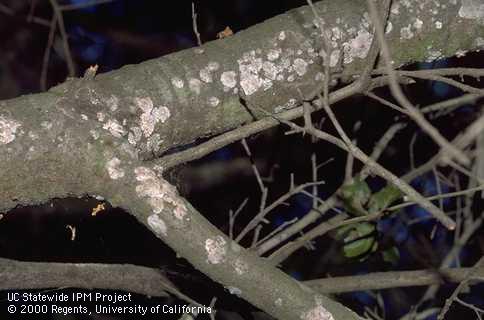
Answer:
(329, 203)
(400, 97)
(387, 175)
(86, 4)
(264, 211)
(233, 216)
(67, 51)
(45, 60)
(43, 22)
(459, 288)
(230, 137)
(195, 27)
(439, 196)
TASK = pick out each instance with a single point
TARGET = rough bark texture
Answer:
(90, 136)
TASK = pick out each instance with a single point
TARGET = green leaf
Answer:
(358, 239)
(383, 198)
(355, 196)
(391, 255)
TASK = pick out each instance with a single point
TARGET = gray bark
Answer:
(96, 136)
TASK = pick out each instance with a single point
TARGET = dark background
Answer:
(128, 32)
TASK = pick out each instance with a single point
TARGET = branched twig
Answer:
(473, 272)
(400, 97)
(67, 51)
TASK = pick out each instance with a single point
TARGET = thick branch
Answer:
(195, 93)
(156, 204)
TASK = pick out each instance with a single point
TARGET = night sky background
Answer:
(128, 32)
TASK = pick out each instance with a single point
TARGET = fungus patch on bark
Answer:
(406, 32)
(115, 128)
(234, 290)
(213, 101)
(195, 85)
(134, 136)
(317, 313)
(159, 193)
(112, 103)
(157, 224)
(8, 129)
(472, 9)
(229, 79)
(112, 166)
(216, 250)
(357, 47)
(240, 266)
(278, 302)
(177, 82)
(151, 115)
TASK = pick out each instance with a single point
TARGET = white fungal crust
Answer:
(157, 224)
(112, 166)
(300, 66)
(229, 79)
(195, 85)
(177, 82)
(240, 266)
(317, 313)
(357, 47)
(8, 129)
(249, 66)
(158, 193)
(216, 250)
(278, 302)
(151, 115)
(472, 9)
(234, 290)
(112, 102)
(213, 101)
(115, 128)
(134, 136)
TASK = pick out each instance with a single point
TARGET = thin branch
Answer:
(414, 113)
(195, 26)
(235, 135)
(45, 60)
(6, 10)
(387, 175)
(83, 5)
(329, 203)
(472, 273)
(392, 279)
(67, 51)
